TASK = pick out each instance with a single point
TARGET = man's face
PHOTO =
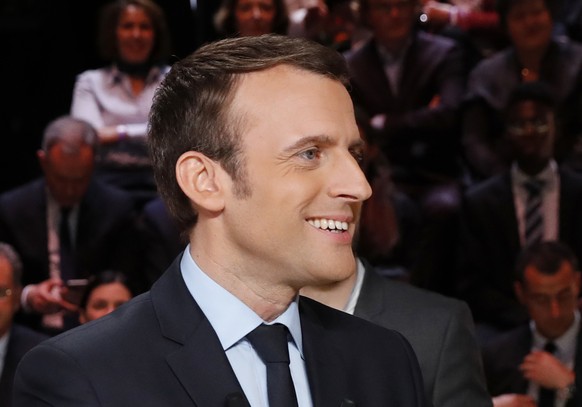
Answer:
(529, 24)
(9, 296)
(531, 132)
(301, 147)
(254, 17)
(550, 300)
(135, 35)
(391, 21)
(67, 175)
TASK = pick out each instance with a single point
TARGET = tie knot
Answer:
(533, 186)
(550, 347)
(270, 342)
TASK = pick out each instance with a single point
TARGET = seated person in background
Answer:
(440, 330)
(534, 55)
(533, 200)
(251, 17)
(411, 84)
(15, 339)
(541, 360)
(67, 224)
(116, 99)
(105, 292)
(390, 220)
(161, 241)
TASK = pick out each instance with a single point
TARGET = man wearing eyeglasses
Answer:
(15, 340)
(533, 201)
(539, 360)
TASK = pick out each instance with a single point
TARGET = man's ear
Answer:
(199, 178)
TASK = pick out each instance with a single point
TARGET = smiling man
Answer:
(256, 153)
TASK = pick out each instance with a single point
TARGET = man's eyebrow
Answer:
(308, 141)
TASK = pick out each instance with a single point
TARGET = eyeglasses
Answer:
(521, 128)
(388, 7)
(5, 292)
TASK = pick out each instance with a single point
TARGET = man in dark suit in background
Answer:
(15, 340)
(100, 225)
(542, 358)
(494, 216)
(256, 152)
(440, 329)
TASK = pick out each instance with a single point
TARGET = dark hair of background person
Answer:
(191, 108)
(536, 91)
(545, 256)
(503, 8)
(109, 18)
(225, 19)
(102, 278)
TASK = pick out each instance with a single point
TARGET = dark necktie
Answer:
(67, 267)
(547, 397)
(270, 343)
(534, 221)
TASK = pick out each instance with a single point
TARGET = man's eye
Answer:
(311, 154)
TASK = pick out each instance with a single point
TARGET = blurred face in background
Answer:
(254, 17)
(529, 25)
(9, 296)
(391, 21)
(135, 35)
(103, 300)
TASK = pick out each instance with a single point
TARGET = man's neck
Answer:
(334, 295)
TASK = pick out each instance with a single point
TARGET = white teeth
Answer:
(329, 224)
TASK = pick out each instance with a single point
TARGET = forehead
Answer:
(291, 101)
(521, 6)
(529, 108)
(537, 281)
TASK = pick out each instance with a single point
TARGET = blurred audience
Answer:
(15, 339)
(497, 221)
(538, 362)
(116, 99)
(105, 292)
(534, 54)
(251, 17)
(67, 224)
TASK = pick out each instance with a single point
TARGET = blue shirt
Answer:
(233, 320)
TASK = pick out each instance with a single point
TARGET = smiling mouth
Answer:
(329, 224)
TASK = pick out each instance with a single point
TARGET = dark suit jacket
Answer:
(106, 232)
(160, 350)
(21, 340)
(160, 239)
(503, 355)
(441, 332)
(489, 245)
(416, 137)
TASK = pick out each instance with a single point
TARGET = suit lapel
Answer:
(324, 367)
(199, 362)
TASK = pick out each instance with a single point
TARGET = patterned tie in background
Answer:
(534, 221)
(66, 262)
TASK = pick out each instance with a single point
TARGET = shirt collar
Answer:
(116, 76)
(548, 175)
(389, 58)
(565, 343)
(230, 317)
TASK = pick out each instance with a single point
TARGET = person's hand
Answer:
(437, 13)
(45, 297)
(108, 135)
(513, 400)
(544, 369)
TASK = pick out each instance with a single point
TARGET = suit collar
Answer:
(200, 363)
